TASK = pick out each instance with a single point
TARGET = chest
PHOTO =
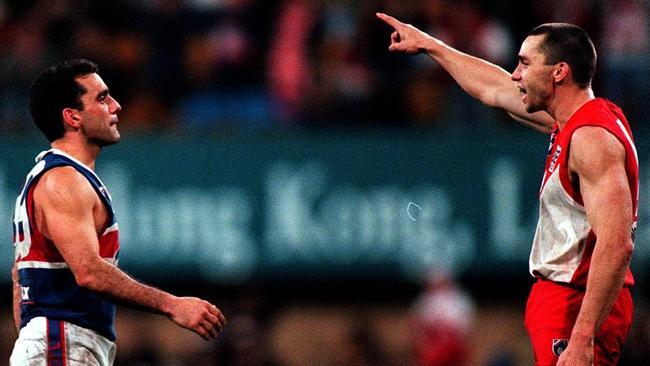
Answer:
(559, 162)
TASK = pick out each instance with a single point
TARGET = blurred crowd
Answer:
(250, 65)
(241, 66)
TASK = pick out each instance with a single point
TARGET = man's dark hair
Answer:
(56, 89)
(568, 43)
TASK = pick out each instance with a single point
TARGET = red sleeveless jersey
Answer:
(564, 239)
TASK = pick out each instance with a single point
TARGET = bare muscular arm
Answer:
(485, 81)
(16, 297)
(598, 159)
(69, 212)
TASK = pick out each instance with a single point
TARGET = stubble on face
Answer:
(536, 81)
(99, 113)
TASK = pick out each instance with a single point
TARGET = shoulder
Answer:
(595, 148)
(64, 184)
(597, 111)
(597, 139)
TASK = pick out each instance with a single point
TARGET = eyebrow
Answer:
(102, 93)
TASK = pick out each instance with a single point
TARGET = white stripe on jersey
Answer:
(629, 140)
(39, 264)
(636, 160)
(52, 265)
(110, 229)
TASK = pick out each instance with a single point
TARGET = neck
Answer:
(85, 153)
(567, 101)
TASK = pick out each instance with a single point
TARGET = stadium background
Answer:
(273, 155)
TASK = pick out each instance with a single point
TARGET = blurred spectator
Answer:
(466, 26)
(501, 357)
(341, 85)
(626, 57)
(246, 65)
(483, 35)
(637, 348)
(242, 343)
(479, 33)
(426, 98)
(361, 346)
(289, 71)
(24, 52)
(580, 12)
(442, 323)
(222, 77)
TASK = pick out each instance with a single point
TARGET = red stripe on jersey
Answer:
(41, 249)
(109, 244)
(56, 347)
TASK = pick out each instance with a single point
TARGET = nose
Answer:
(516, 75)
(115, 106)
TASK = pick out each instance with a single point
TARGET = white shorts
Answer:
(55, 342)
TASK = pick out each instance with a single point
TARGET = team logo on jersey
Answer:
(552, 141)
(24, 293)
(559, 345)
(556, 155)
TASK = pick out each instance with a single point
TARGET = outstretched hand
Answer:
(198, 316)
(405, 37)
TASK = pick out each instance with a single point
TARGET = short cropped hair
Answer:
(55, 89)
(568, 43)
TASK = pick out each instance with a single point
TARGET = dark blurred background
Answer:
(341, 204)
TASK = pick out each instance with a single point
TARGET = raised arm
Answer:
(485, 81)
(69, 212)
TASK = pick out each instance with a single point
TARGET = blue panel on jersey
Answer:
(54, 293)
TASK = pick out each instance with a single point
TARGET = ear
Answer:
(71, 117)
(561, 72)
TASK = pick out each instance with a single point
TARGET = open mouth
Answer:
(524, 96)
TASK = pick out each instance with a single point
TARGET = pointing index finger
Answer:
(389, 20)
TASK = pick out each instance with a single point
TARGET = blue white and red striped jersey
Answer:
(48, 286)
